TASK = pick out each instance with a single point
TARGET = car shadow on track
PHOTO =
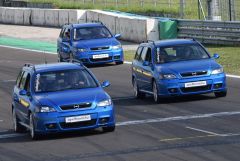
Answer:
(148, 100)
(24, 137)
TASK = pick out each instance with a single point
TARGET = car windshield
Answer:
(180, 53)
(64, 80)
(88, 33)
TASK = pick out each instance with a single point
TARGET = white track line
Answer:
(233, 76)
(177, 118)
(10, 80)
(1, 120)
(125, 62)
(5, 136)
(204, 131)
(38, 51)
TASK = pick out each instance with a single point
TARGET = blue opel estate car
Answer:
(60, 97)
(90, 43)
(174, 68)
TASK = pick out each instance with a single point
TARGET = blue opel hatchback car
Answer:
(90, 43)
(176, 67)
(60, 97)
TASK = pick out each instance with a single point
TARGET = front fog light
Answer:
(107, 102)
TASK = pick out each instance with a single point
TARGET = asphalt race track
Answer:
(199, 128)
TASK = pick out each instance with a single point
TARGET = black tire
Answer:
(220, 94)
(71, 57)
(155, 92)
(119, 62)
(60, 59)
(137, 93)
(16, 125)
(32, 131)
(108, 129)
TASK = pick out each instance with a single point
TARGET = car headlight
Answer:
(79, 50)
(167, 76)
(103, 103)
(217, 71)
(46, 109)
(117, 47)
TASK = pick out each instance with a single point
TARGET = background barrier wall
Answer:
(136, 29)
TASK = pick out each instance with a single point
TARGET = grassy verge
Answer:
(147, 7)
(229, 57)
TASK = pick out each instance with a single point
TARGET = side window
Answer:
(61, 33)
(148, 57)
(19, 78)
(23, 80)
(27, 83)
(66, 34)
(146, 54)
(138, 53)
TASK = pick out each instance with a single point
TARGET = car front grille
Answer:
(101, 59)
(78, 124)
(100, 48)
(196, 89)
(193, 74)
(76, 106)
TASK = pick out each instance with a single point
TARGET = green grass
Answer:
(162, 7)
(229, 57)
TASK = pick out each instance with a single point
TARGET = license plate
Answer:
(100, 56)
(78, 118)
(195, 84)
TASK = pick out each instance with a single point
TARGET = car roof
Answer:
(87, 25)
(161, 43)
(57, 67)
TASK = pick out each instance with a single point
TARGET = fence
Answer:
(210, 32)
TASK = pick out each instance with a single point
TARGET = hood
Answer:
(70, 97)
(188, 66)
(96, 43)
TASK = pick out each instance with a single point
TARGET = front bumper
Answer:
(55, 121)
(176, 87)
(113, 56)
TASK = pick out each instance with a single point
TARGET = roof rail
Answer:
(94, 21)
(30, 65)
(151, 41)
(76, 61)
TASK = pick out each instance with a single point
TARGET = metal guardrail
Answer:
(210, 32)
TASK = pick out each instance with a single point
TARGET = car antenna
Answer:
(45, 57)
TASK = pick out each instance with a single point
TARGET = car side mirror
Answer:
(66, 50)
(216, 56)
(22, 92)
(117, 36)
(146, 63)
(105, 84)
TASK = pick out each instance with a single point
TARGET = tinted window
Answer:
(145, 53)
(66, 34)
(23, 80)
(19, 79)
(27, 83)
(180, 53)
(91, 33)
(138, 53)
(64, 80)
(148, 56)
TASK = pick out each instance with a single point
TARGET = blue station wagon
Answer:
(60, 97)
(174, 68)
(90, 43)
